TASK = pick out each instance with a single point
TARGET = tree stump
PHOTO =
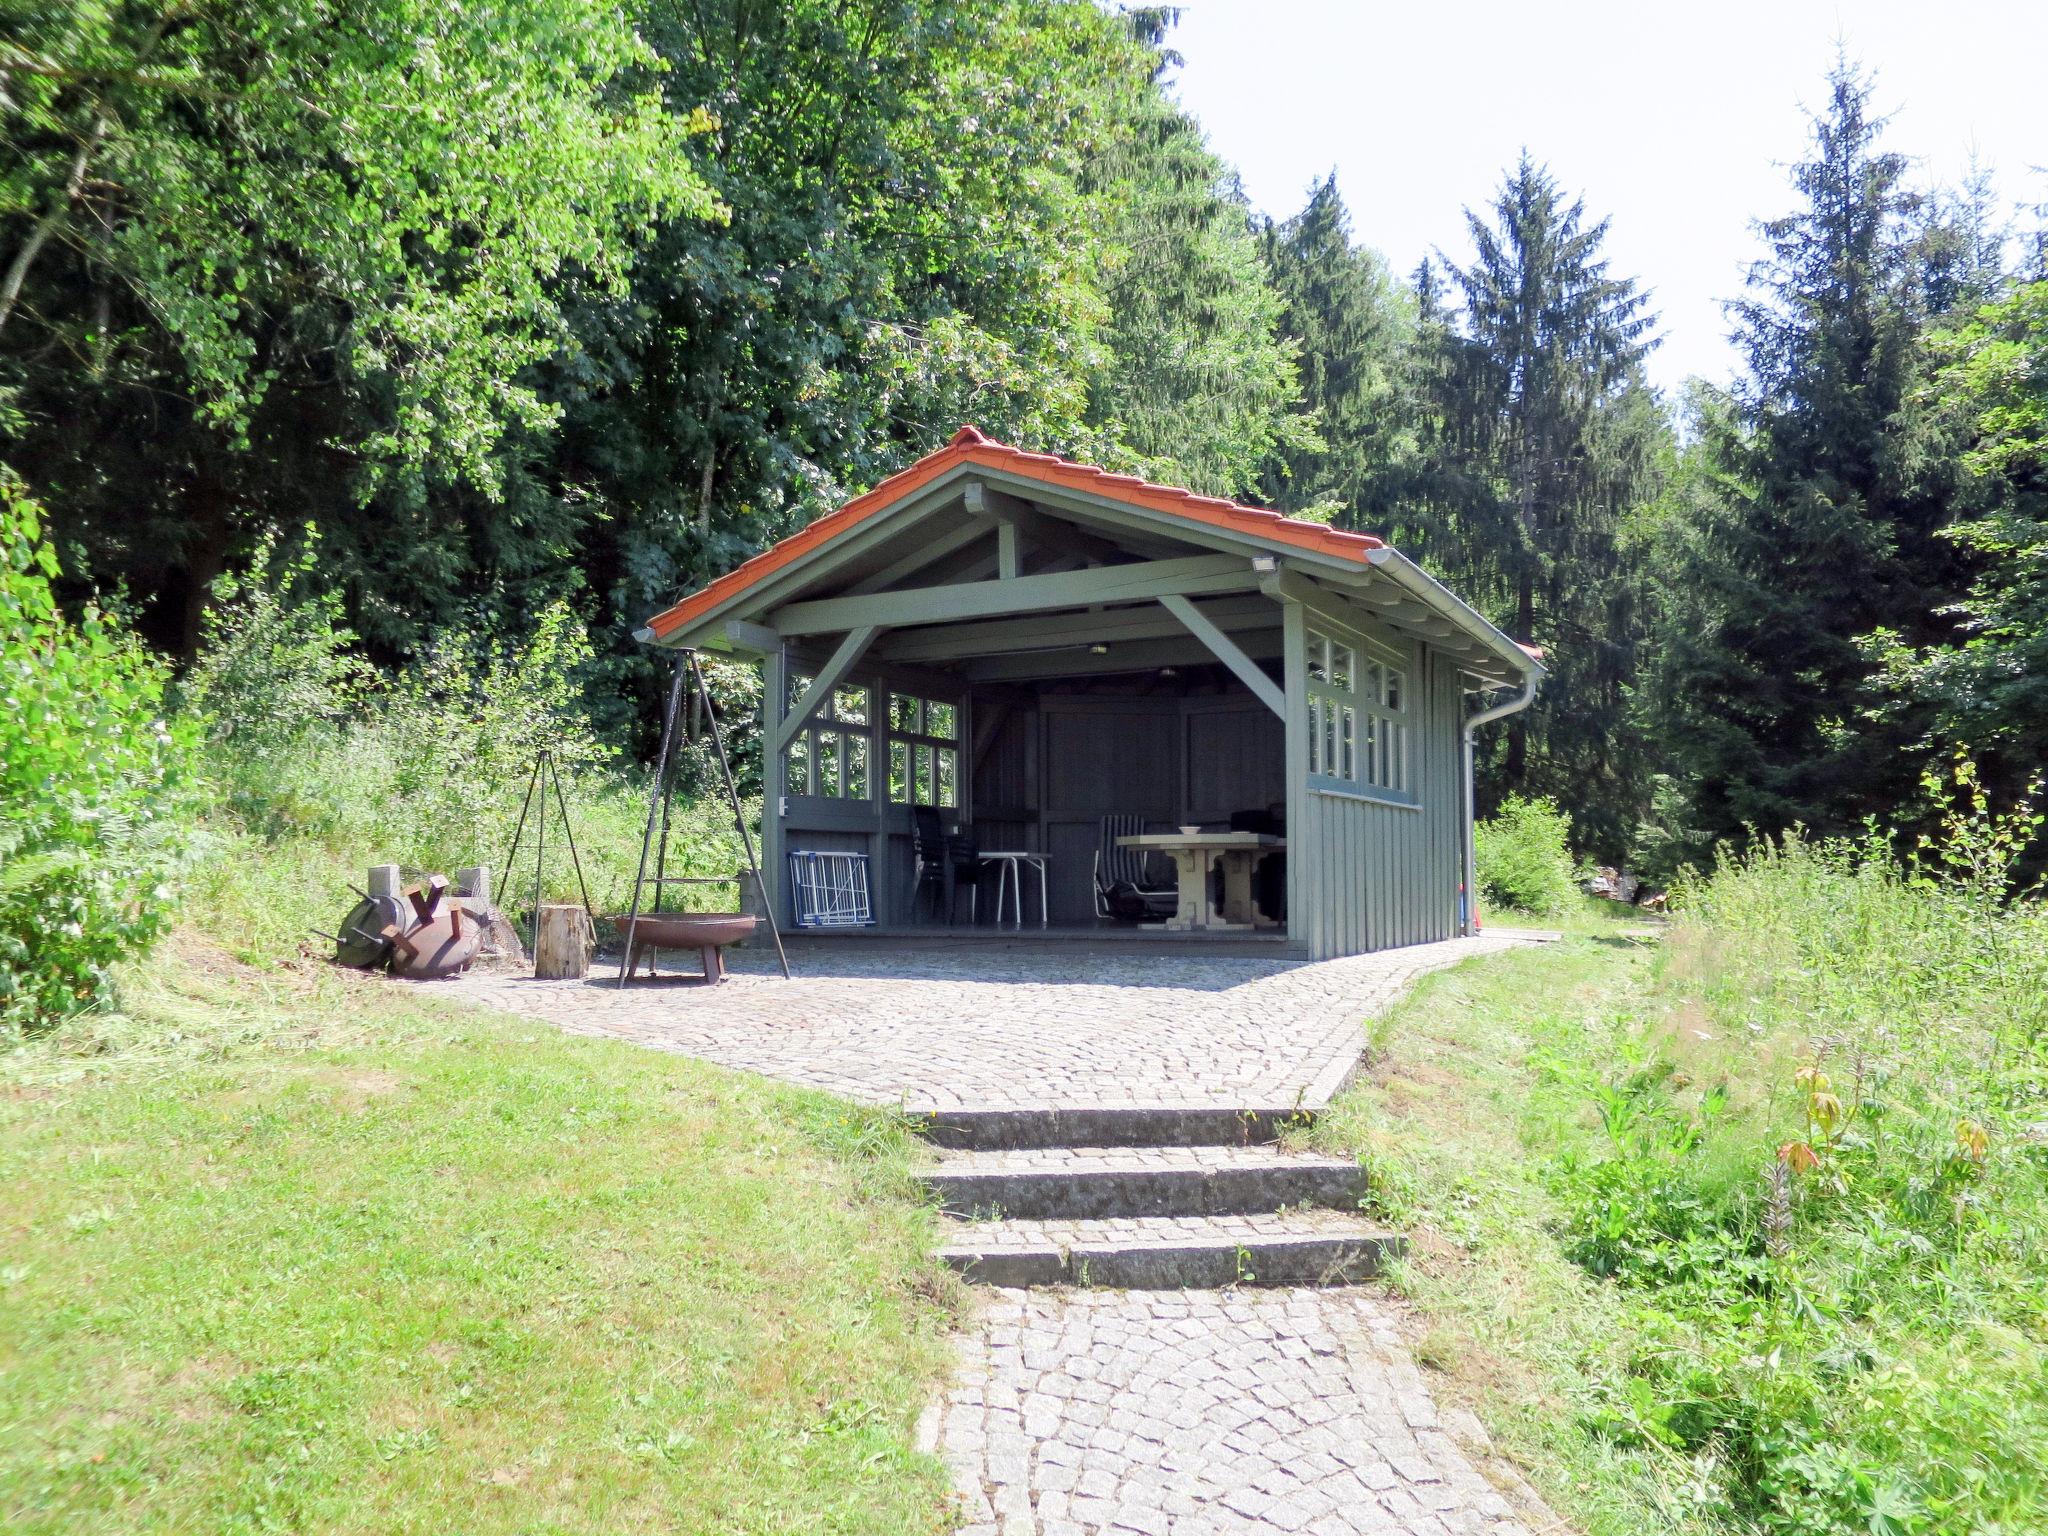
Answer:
(562, 943)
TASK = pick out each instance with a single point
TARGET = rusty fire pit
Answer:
(705, 932)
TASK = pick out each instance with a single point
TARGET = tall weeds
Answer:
(319, 768)
(1824, 1178)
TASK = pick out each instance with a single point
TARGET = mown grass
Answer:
(287, 1249)
(1746, 1229)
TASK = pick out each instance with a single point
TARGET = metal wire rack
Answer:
(830, 889)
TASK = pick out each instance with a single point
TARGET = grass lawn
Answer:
(302, 1251)
(1458, 1128)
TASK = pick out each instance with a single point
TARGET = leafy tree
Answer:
(1196, 383)
(1987, 684)
(329, 237)
(906, 249)
(1541, 442)
(1830, 492)
(1353, 323)
(93, 786)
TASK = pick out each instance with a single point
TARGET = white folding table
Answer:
(1011, 875)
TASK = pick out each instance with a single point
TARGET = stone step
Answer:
(1157, 1253)
(1085, 1183)
(1122, 1125)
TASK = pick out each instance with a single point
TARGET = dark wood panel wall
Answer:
(1170, 760)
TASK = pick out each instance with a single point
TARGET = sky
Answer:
(1676, 122)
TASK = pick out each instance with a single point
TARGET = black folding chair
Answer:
(939, 857)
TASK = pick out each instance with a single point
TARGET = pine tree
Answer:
(1832, 486)
(1353, 323)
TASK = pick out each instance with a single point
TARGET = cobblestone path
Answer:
(943, 1028)
(1078, 1412)
(1199, 1413)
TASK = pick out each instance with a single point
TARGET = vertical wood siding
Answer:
(1365, 875)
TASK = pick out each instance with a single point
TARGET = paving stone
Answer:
(937, 1027)
(1171, 1361)
(1311, 1246)
(1086, 1413)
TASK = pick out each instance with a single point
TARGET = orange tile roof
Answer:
(969, 446)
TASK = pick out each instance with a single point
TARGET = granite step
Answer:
(1122, 1125)
(1087, 1183)
(1311, 1246)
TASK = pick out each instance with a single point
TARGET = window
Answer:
(924, 751)
(1358, 726)
(828, 758)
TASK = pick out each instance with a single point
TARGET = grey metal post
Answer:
(1515, 705)
(540, 844)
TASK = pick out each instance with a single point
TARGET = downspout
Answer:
(1468, 916)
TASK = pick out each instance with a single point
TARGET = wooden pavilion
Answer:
(1010, 649)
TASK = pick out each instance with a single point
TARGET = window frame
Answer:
(1373, 723)
(805, 742)
(918, 743)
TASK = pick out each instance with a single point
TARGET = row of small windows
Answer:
(829, 758)
(1357, 730)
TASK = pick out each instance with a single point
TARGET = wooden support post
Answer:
(834, 671)
(1294, 620)
(774, 781)
(1226, 650)
(562, 943)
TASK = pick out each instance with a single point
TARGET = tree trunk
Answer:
(1515, 769)
(561, 945)
(209, 536)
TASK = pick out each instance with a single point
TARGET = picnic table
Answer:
(1195, 855)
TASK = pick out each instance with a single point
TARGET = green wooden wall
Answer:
(1365, 874)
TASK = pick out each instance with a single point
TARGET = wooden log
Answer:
(562, 943)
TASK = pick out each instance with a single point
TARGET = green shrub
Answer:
(1524, 861)
(275, 665)
(94, 784)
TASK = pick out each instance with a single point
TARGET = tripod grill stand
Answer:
(658, 810)
(545, 774)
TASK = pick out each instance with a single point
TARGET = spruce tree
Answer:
(1542, 441)
(1195, 382)
(1831, 489)
(1353, 322)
